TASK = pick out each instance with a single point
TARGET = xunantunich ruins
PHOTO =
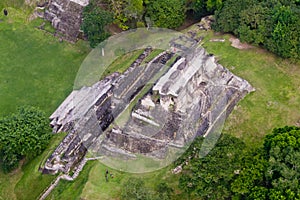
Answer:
(184, 94)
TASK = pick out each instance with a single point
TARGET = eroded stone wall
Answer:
(65, 16)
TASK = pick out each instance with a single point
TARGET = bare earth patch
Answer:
(236, 43)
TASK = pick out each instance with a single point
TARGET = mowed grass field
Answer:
(35, 69)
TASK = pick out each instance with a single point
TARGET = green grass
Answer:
(72, 190)
(122, 62)
(11, 3)
(96, 186)
(35, 68)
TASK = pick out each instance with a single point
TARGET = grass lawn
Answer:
(35, 69)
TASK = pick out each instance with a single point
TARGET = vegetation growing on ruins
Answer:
(274, 104)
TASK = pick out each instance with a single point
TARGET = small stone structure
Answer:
(194, 92)
(64, 15)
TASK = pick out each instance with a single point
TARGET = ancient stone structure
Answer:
(186, 100)
(64, 15)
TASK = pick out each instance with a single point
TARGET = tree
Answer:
(285, 35)
(250, 181)
(134, 9)
(214, 4)
(22, 135)
(252, 26)
(197, 8)
(210, 177)
(283, 154)
(166, 13)
(272, 172)
(95, 19)
(227, 19)
(127, 13)
(273, 24)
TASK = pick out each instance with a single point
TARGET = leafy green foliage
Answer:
(214, 4)
(210, 177)
(135, 189)
(230, 171)
(250, 179)
(127, 13)
(95, 20)
(165, 13)
(202, 8)
(271, 23)
(25, 134)
(198, 8)
(272, 172)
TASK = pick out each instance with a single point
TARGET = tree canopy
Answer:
(24, 134)
(231, 171)
(166, 13)
(210, 177)
(274, 24)
(95, 19)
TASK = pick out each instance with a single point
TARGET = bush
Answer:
(22, 135)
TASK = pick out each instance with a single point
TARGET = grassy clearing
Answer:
(35, 68)
(11, 3)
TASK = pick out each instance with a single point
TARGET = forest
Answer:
(271, 24)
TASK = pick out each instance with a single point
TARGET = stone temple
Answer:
(65, 16)
(170, 100)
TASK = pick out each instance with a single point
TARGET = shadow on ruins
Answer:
(180, 94)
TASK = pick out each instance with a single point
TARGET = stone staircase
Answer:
(67, 177)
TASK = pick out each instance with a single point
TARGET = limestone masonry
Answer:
(187, 98)
(65, 16)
